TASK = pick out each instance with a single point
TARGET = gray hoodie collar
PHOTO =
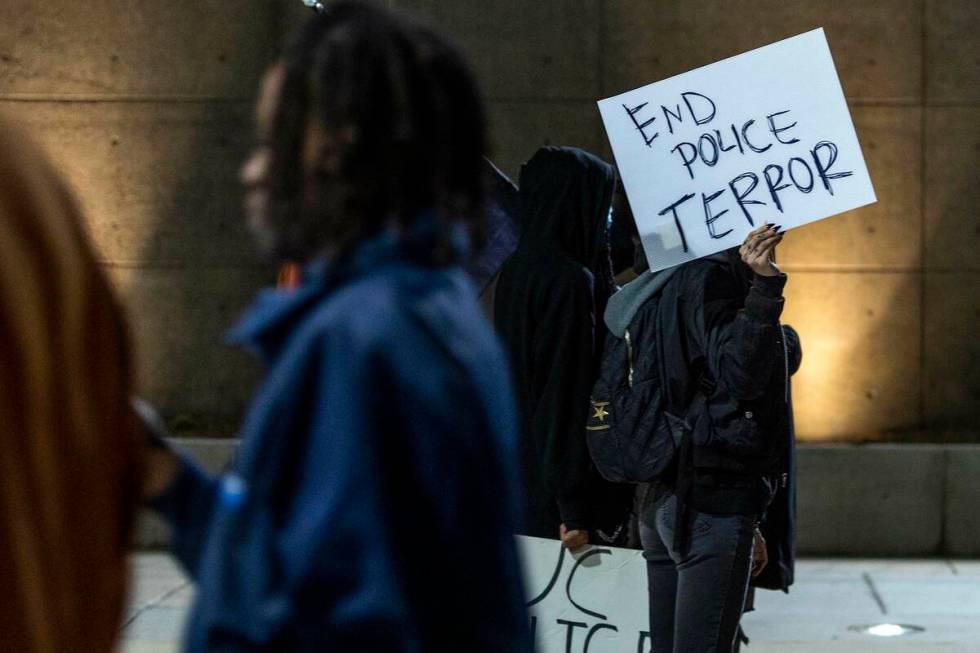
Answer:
(624, 305)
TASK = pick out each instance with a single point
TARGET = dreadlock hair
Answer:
(406, 109)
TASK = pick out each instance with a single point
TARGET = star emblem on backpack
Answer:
(600, 410)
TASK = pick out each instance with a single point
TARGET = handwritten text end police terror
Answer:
(801, 174)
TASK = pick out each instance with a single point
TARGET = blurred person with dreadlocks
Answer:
(69, 447)
(373, 499)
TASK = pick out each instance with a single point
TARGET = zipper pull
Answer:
(629, 358)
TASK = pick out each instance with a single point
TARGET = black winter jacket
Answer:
(721, 336)
(548, 297)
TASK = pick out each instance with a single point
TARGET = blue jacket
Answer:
(373, 502)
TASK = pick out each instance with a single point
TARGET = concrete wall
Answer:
(887, 298)
(858, 500)
(146, 105)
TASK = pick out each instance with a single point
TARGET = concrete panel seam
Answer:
(601, 50)
(951, 104)
(923, 234)
(944, 505)
(942, 270)
(882, 101)
(179, 265)
(844, 267)
(154, 602)
(527, 99)
(130, 99)
(875, 594)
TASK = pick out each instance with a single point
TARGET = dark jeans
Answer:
(696, 596)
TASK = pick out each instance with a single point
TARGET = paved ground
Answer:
(942, 596)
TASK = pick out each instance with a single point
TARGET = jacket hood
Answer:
(565, 198)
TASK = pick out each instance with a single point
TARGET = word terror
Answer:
(801, 174)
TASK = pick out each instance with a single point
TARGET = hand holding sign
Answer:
(758, 248)
(760, 554)
(573, 540)
(708, 156)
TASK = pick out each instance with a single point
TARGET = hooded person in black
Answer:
(549, 300)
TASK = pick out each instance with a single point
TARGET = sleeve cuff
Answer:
(188, 505)
(573, 514)
(189, 481)
(771, 287)
(575, 525)
(765, 300)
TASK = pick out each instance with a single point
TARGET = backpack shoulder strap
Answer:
(668, 320)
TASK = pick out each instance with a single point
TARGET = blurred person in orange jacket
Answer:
(69, 455)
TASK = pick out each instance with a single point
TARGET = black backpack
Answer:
(632, 434)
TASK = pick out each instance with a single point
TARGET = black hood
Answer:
(565, 198)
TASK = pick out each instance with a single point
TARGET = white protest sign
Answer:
(764, 136)
(594, 601)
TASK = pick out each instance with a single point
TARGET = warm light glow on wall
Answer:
(860, 333)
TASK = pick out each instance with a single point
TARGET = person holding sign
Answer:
(376, 480)
(711, 159)
(705, 338)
